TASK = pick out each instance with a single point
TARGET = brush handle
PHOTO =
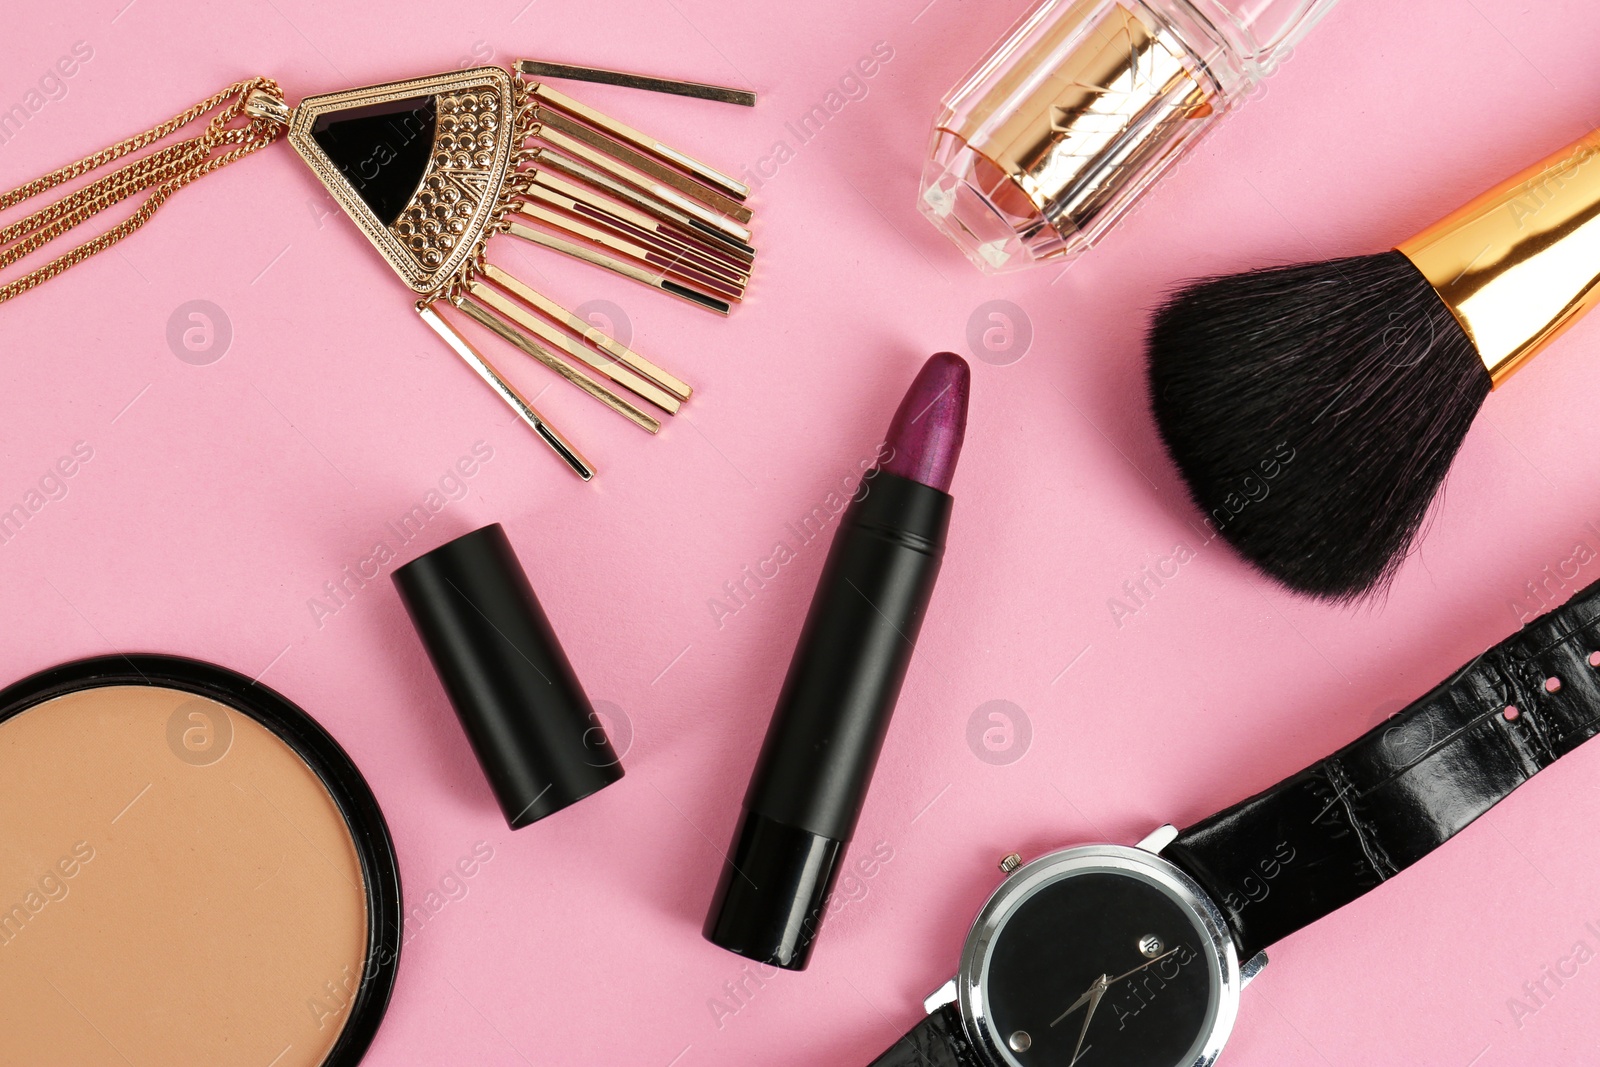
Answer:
(1312, 844)
(1521, 263)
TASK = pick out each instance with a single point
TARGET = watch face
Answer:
(1097, 958)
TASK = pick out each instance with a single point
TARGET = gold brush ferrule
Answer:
(1521, 263)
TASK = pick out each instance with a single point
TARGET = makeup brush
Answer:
(1314, 410)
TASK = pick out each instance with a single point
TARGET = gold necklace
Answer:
(431, 169)
(163, 173)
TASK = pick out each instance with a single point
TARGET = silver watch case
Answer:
(1222, 956)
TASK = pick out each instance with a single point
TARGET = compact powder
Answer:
(179, 885)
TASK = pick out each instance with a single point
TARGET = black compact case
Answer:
(532, 727)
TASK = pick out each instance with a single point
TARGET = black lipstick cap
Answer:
(534, 731)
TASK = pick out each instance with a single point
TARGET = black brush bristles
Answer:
(1314, 411)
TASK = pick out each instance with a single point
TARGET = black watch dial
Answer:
(1100, 968)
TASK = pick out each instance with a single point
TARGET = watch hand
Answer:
(1092, 997)
(1076, 1004)
(1142, 966)
(1096, 991)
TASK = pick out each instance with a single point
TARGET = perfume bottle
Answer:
(1084, 105)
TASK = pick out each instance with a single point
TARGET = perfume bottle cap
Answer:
(1059, 130)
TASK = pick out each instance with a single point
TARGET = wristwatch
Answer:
(1135, 956)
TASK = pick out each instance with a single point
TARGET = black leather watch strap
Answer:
(937, 1041)
(1293, 854)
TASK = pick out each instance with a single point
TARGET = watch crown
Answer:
(1010, 863)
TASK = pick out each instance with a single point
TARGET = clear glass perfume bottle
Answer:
(1055, 134)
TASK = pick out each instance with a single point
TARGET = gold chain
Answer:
(162, 172)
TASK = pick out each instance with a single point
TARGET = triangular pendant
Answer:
(420, 165)
(432, 168)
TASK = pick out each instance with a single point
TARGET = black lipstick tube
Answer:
(812, 775)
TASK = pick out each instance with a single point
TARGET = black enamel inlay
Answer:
(381, 149)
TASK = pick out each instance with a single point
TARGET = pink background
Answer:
(221, 497)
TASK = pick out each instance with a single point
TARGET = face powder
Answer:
(191, 871)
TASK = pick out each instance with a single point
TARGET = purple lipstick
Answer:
(822, 745)
(926, 434)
